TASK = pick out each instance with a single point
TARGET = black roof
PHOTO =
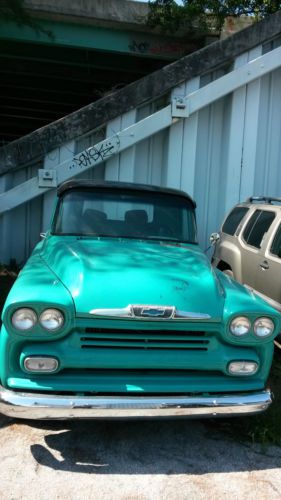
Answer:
(86, 184)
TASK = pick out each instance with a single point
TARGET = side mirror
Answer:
(214, 238)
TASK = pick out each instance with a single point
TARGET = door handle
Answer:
(264, 265)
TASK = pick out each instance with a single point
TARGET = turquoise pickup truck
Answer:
(118, 313)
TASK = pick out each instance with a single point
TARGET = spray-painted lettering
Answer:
(95, 154)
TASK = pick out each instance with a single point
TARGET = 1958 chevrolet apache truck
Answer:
(118, 313)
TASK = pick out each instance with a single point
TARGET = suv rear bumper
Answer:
(48, 406)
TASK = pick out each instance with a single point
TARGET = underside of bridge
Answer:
(76, 56)
(39, 84)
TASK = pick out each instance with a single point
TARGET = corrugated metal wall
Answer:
(220, 155)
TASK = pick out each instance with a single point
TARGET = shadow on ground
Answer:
(145, 447)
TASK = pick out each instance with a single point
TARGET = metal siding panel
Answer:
(35, 210)
(175, 146)
(190, 131)
(151, 154)
(127, 157)
(16, 224)
(210, 178)
(235, 142)
(142, 169)
(52, 161)
(34, 225)
(121, 167)
(84, 142)
(251, 125)
(267, 178)
(112, 166)
(5, 247)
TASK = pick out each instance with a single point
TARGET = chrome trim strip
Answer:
(125, 312)
(48, 406)
(129, 312)
(191, 315)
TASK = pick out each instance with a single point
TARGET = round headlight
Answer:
(51, 319)
(24, 319)
(263, 327)
(240, 326)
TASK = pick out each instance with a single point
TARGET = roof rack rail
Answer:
(265, 199)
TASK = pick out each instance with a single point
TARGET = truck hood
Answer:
(111, 274)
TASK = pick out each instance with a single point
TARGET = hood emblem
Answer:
(164, 312)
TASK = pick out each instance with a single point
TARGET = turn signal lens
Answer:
(51, 319)
(263, 327)
(240, 326)
(24, 319)
(242, 367)
(41, 364)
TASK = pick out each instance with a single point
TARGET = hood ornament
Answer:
(149, 312)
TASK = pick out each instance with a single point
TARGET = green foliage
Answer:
(14, 10)
(204, 15)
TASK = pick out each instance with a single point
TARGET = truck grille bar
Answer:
(94, 338)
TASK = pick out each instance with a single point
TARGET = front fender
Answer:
(37, 287)
(240, 300)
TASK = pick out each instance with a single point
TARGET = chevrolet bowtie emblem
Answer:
(153, 311)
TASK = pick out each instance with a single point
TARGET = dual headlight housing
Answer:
(262, 327)
(25, 318)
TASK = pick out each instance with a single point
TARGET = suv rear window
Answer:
(233, 220)
(276, 245)
(257, 226)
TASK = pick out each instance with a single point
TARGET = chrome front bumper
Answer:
(48, 406)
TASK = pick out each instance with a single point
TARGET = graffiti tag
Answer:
(159, 48)
(95, 154)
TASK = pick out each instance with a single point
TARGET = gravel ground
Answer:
(172, 459)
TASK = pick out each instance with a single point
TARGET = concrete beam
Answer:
(38, 143)
(124, 12)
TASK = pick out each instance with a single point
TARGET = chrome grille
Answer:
(95, 338)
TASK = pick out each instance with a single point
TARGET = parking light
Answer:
(41, 364)
(242, 367)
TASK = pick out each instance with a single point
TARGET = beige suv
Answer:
(249, 246)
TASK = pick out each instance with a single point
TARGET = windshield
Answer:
(125, 214)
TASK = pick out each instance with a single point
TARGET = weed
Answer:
(264, 428)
